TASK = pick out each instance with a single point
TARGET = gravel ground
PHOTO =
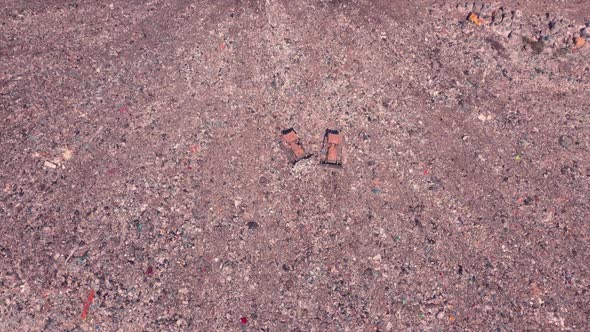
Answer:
(143, 186)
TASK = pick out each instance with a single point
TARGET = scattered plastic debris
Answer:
(376, 186)
(332, 148)
(87, 304)
(80, 113)
(244, 320)
(82, 259)
(291, 144)
(535, 290)
(537, 46)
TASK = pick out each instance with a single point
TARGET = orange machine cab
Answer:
(332, 148)
(291, 144)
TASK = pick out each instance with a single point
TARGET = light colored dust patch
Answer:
(303, 167)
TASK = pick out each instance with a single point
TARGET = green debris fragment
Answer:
(82, 259)
(138, 225)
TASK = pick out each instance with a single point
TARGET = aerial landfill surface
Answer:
(294, 165)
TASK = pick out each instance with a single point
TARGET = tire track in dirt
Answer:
(275, 33)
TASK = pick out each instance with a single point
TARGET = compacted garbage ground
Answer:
(144, 187)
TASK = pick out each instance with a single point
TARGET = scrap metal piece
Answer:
(332, 148)
(291, 144)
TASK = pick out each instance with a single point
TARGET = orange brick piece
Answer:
(475, 19)
(579, 42)
(291, 144)
(332, 148)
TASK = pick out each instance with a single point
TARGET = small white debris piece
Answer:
(482, 117)
(49, 164)
(67, 154)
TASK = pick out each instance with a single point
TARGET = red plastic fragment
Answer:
(87, 304)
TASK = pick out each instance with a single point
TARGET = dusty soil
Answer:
(143, 186)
